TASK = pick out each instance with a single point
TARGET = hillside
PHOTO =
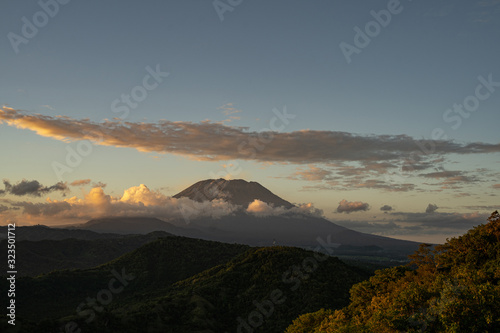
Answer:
(45, 256)
(454, 288)
(178, 284)
(262, 289)
(155, 266)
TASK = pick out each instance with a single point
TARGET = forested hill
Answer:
(453, 288)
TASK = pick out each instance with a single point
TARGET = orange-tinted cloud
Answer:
(216, 141)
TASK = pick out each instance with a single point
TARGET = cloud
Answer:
(48, 107)
(81, 182)
(435, 225)
(143, 195)
(228, 109)
(431, 208)
(140, 201)
(352, 206)
(386, 208)
(263, 209)
(32, 187)
(313, 173)
(441, 174)
(484, 208)
(444, 221)
(144, 202)
(451, 177)
(496, 186)
(308, 209)
(357, 183)
(215, 141)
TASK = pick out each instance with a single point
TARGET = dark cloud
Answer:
(444, 221)
(32, 187)
(378, 184)
(380, 228)
(99, 184)
(407, 223)
(386, 208)
(431, 208)
(352, 206)
(450, 178)
(483, 208)
(404, 223)
(3, 208)
(216, 141)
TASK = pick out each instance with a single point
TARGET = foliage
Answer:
(452, 288)
(188, 285)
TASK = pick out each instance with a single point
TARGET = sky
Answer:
(383, 115)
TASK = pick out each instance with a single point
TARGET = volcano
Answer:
(237, 191)
(291, 227)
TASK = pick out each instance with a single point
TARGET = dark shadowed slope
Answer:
(44, 256)
(154, 267)
(294, 280)
(42, 232)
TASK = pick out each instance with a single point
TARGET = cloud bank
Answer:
(215, 141)
(140, 201)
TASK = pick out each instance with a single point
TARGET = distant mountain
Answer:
(129, 225)
(42, 232)
(291, 228)
(45, 256)
(298, 230)
(237, 191)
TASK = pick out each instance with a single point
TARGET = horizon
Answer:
(382, 116)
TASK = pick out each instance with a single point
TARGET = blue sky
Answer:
(262, 56)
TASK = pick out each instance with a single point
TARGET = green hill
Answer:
(453, 288)
(178, 284)
(261, 290)
(154, 266)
